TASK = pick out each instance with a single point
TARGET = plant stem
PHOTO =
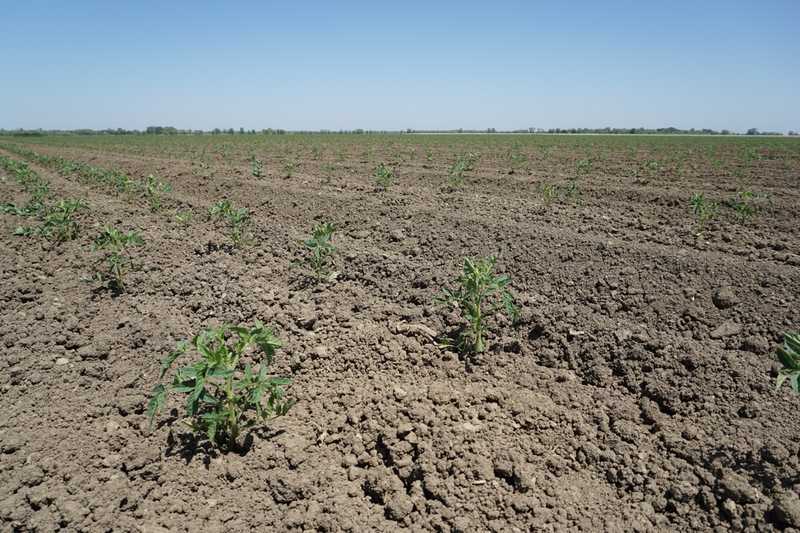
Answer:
(233, 421)
(478, 332)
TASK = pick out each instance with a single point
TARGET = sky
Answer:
(731, 64)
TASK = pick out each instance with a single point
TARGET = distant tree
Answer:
(752, 131)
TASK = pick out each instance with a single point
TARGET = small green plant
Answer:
(571, 191)
(789, 356)
(383, 175)
(583, 167)
(220, 209)
(183, 217)
(39, 192)
(256, 167)
(646, 170)
(479, 294)
(153, 189)
(321, 252)
(747, 204)
(463, 163)
(116, 243)
(121, 182)
(288, 169)
(704, 210)
(549, 192)
(59, 224)
(8, 208)
(221, 394)
(237, 218)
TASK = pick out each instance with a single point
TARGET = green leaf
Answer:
(156, 402)
(786, 358)
(792, 343)
(166, 363)
(780, 379)
(220, 373)
(199, 388)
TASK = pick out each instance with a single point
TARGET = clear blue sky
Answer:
(307, 65)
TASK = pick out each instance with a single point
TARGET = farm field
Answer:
(654, 277)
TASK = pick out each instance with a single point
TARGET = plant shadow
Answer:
(189, 447)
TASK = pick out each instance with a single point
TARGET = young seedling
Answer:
(256, 167)
(789, 356)
(59, 224)
(649, 168)
(705, 210)
(183, 217)
(572, 191)
(463, 163)
(220, 209)
(223, 396)
(153, 189)
(746, 204)
(583, 167)
(289, 168)
(549, 192)
(115, 244)
(479, 295)
(321, 251)
(121, 181)
(383, 175)
(237, 218)
(39, 192)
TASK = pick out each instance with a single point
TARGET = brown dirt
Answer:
(629, 399)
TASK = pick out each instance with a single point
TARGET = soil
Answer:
(636, 393)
